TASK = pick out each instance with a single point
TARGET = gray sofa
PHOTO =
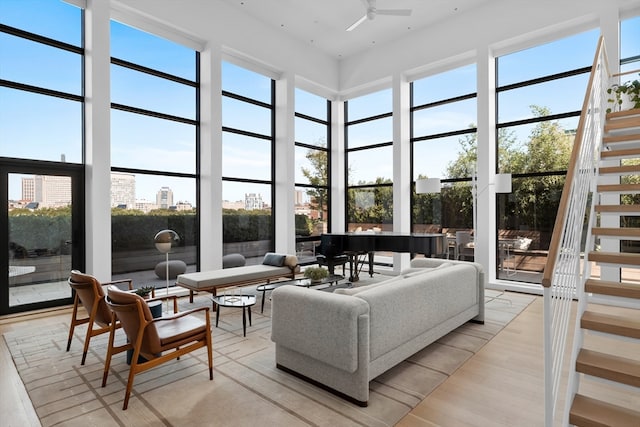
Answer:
(343, 340)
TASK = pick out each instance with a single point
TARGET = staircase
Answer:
(604, 383)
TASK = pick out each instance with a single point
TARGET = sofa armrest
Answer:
(319, 325)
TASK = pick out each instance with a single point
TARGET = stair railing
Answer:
(562, 277)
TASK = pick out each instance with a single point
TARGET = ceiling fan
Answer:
(372, 11)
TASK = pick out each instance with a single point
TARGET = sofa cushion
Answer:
(273, 259)
(404, 311)
(412, 271)
(358, 289)
(227, 276)
(295, 327)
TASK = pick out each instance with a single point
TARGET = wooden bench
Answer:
(212, 280)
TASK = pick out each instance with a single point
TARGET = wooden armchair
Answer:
(156, 340)
(89, 293)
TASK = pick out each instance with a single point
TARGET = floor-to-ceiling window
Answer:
(41, 152)
(154, 146)
(443, 129)
(369, 162)
(540, 92)
(312, 160)
(248, 130)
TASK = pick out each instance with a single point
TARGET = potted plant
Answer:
(625, 96)
(316, 274)
(144, 291)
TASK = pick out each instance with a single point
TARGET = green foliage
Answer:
(316, 273)
(304, 225)
(317, 176)
(372, 205)
(630, 88)
(246, 226)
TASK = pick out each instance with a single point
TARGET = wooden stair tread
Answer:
(620, 169)
(628, 152)
(616, 289)
(589, 412)
(617, 208)
(622, 123)
(621, 114)
(612, 139)
(616, 231)
(627, 258)
(609, 366)
(611, 324)
(619, 188)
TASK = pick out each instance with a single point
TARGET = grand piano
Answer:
(353, 244)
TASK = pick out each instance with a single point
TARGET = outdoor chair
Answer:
(89, 293)
(156, 340)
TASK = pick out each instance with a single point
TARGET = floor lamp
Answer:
(164, 240)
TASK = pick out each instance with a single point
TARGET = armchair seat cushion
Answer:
(179, 329)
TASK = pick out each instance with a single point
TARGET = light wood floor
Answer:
(502, 385)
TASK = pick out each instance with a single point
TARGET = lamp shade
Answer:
(428, 185)
(503, 183)
(165, 239)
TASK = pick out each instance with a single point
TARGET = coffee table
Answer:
(241, 301)
(331, 279)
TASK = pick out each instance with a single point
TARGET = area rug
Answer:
(247, 389)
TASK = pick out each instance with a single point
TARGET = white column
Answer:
(485, 232)
(401, 165)
(97, 140)
(338, 175)
(210, 203)
(285, 241)
(610, 30)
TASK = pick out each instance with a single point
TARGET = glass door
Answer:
(44, 235)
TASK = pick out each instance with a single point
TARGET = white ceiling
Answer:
(323, 23)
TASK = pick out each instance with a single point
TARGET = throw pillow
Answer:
(276, 260)
(291, 261)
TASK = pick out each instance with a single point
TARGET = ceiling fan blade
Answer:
(396, 12)
(358, 22)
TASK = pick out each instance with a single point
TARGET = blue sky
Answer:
(149, 143)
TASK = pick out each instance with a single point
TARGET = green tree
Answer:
(317, 176)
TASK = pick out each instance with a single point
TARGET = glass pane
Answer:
(311, 133)
(447, 85)
(246, 157)
(536, 147)
(445, 118)
(630, 43)
(370, 208)
(57, 20)
(142, 48)
(241, 81)
(311, 166)
(144, 142)
(370, 166)
(39, 238)
(143, 205)
(450, 157)
(147, 193)
(40, 127)
(526, 218)
(557, 96)
(247, 220)
(36, 64)
(141, 90)
(311, 105)
(245, 116)
(369, 133)
(551, 58)
(370, 105)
